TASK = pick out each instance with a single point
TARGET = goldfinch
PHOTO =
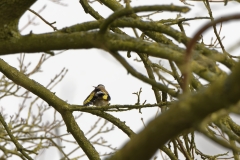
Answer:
(98, 97)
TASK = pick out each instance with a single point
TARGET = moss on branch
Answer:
(189, 111)
(10, 13)
(58, 104)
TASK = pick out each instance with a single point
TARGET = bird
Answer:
(98, 97)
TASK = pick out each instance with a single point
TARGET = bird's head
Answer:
(99, 86)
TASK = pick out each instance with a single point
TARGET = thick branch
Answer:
(108, 41)
(189, 111)
(127, 11)
(13, 9)
(10, 13)
(60, 105)
(158, 27)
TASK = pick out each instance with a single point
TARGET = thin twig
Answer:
(50, 24)
(115, 107)
(14, 140)
(191, 44)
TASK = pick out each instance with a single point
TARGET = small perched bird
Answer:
(98, 97)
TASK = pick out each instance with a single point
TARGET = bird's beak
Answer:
(94, 87)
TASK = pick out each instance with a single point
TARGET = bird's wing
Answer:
(90, 99)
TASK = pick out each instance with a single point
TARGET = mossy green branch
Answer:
(115, 107)
(10, 13)
(122, 126)
(60, 105)
(112, 4)
(189, 111)
(88, 9)
(18, 6)
(157, 27)
(127, 11)
(109, 41)
(85, 40)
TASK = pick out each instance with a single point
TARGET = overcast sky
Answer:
(89, 68)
